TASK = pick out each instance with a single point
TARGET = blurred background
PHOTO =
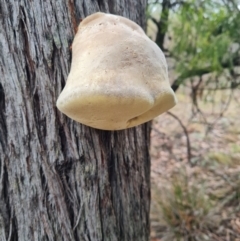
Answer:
(195, 147)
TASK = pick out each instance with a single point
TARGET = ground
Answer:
(196, 195)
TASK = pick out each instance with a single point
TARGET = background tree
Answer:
(60, 180)
(203, 39)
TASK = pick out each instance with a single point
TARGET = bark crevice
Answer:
(61, 180)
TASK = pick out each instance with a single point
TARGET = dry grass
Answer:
(199, 200)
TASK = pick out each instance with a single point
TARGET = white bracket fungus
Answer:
(118, 76)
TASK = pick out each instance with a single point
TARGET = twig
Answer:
(158, 132)
(189, 155)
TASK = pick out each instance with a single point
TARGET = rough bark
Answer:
(60, 180)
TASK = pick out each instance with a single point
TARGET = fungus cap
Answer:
(118, 77)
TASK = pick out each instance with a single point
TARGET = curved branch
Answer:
(189, 154)
(199, 72)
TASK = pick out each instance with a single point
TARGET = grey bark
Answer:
(60, 180)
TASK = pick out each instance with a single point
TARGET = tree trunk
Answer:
(60, 180)
(162, 25)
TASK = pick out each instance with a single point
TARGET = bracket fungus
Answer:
(118, 77)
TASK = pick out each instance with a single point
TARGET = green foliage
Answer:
(204, 33)
(205, 38)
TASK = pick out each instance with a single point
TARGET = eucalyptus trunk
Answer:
(60, 180)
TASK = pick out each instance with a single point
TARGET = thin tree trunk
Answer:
(162, 25)
(60, 180)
